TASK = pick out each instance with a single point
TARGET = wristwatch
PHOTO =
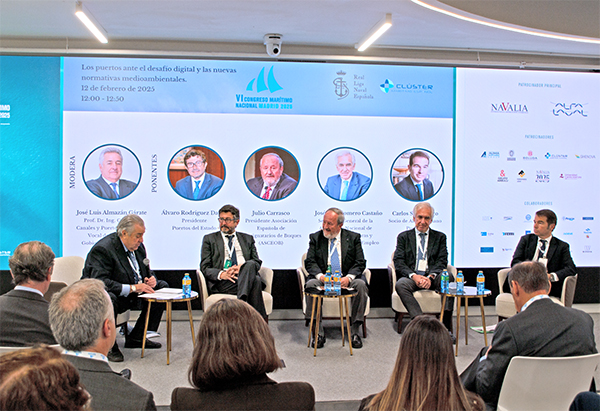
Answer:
(133, 289)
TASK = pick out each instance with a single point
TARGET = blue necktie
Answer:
(114, 187)
(197, 190)
(420, 190)
(232, 250)
(420, 252)
(335, 258)
(344, 191)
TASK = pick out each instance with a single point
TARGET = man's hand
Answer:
(144, 288)
(344, 282)
(151, 281)
(231, 273)
(421, 281)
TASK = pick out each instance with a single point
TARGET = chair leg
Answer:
(364, 327)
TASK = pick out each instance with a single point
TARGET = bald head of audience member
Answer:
(40, 379)
(81, 317)
(31, 265)
(528, 279)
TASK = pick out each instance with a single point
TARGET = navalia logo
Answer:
(260, 84)
(508, 108)
(573, 108)
(386, 86)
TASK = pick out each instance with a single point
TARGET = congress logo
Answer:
(259, 85)
(568, 110)
(386, 86)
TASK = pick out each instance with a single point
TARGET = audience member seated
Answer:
(40, 379)
(540, 329)
(234, 352)
(585, 401)
(425, 376)
(23, 311)
(83, 321)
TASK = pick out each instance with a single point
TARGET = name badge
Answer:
(422, 266)
(227, 264)
(543, 261)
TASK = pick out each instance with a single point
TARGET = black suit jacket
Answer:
(544, 329)
(24, 319)
(107, 261)
(212, 256)
(559, 259)
(110, 390)
(407, 189)
(405, 256)
(284, 187)
(353, 259)
(259, 393)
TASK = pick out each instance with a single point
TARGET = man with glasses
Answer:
(230, 263)
(199, 185)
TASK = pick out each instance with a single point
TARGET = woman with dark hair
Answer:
(425, 376)
(234, 352)
(40, 379)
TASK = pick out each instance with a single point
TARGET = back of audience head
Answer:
(79, 313)
(32, 261)
(531, 276)
(425, 376)
(234, 343)
(40, 379)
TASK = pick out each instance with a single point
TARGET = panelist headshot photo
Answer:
(346, 184)
(112, 159)
(196, 173)
(272, 173)
(417, 174)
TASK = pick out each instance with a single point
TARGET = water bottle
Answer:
(336, 282)
(327, 280)
(480, 283)
(460, 283)
(186, 286)
(445, 282)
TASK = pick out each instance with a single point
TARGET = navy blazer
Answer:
(210, 186)
(24, 319)
(405, 256)
(359, 184)
(407, 189)
(284, 187)
(353, 259)
(101, 189)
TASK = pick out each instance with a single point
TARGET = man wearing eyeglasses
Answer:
(230, 263)
(199, 185)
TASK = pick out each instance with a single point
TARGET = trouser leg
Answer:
(359, 303)
(248, 287)
(156, 312)
(405, 287)
(311, 286)
(436, 285)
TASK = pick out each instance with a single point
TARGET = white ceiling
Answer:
(331, 27)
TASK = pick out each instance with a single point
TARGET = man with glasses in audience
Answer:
(199, 185)
(230, 262)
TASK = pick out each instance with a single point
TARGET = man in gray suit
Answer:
(230, 262)
(541, 328)
(273, 183)
(110, 185)
(81, 317)
(24, 311)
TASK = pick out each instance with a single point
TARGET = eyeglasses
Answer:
(197, 164)
(227, 220)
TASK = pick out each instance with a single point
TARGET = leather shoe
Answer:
(131, 343)
(356, 341)
(115, 355)
(320, 342)
(126, 373)
(453, 338)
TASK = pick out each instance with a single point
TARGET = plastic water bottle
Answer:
(327, 281)
(480, 283)
(336, 282)
(186, 286)
(460, 283)
(445, 282)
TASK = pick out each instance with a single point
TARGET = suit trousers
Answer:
(248, 287)
(358, 303)
(132, 301)
(405, 287)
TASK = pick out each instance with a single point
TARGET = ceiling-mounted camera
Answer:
(273, 43)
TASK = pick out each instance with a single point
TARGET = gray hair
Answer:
(345, 153)
(30, 262)
(340, 214)
(424, 204)
(78, 312)
(532, 276)
(128, 222)
(110, 150)
(273, 155)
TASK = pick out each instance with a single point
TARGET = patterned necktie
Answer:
(136, 270)
(420, 250)
(542, 249)
(335, 257)
(266, 194)
(420, 190)
(114, 187)
(197, 190)
(344, 191)
(232, 250)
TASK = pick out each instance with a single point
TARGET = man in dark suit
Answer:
(110, 185)
(23, 310)
(347, 185)
(119, 260)
(342, 250)
(230, 262)
(420, 257)
(541, 328)
(273, 184)
(416, 186)
(199, 185)
(82, 318)
(542, 246)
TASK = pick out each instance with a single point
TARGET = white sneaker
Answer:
(152, 334)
